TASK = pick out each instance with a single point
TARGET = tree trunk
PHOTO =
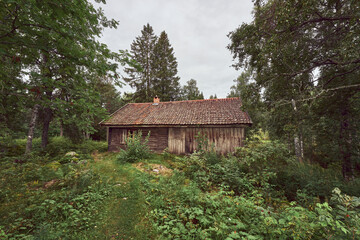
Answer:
(32, 124)
(298, 140)
(345, 145)
(46, 124)
(61, 129)
(299, 150)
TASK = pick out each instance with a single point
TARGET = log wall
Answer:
(181, 140)
(176, 140)
(223, 139)
(116, 139)
(158, 139)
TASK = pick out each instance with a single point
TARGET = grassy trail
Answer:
(126, 207)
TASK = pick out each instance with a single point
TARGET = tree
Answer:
(190, 91)
(12, 103)
(54, 45)
(248, 91)
(305, 58)
(142, 50)
(166, 83)
(110, 99)
(158, 68)
(213, 97)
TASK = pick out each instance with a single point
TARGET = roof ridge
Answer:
(197, 100)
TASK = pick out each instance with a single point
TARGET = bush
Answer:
(136, 148)
(41, 198)
(58, 146)
(16, 147)
(181, 210)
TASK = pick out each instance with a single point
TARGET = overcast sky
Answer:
(197, 30)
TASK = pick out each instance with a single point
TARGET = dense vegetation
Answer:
(260, 192)
(296, 178)
(301, 79)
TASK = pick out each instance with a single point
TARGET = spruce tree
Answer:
(142, 50)
(166, 83)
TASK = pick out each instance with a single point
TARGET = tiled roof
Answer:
(192, 112)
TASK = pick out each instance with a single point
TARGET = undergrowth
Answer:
(53, 195)
(259, 192)
(248, 196)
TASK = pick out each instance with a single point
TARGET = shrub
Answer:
(43, 199)
(166, 155)
(16, 147)
(136, 148)
(180, 210)
(61, 145)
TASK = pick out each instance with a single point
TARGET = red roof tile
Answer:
(192, 112)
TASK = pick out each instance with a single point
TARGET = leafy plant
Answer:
(136, 148)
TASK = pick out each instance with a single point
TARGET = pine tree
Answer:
(142, 50)
(166, 83)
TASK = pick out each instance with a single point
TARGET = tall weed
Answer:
(136, 148)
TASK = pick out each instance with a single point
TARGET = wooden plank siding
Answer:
(224, 139)
(181, 140)
(116, 139)
(158, 139)
(177, 140)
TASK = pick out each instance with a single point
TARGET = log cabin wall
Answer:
(158, 139)
(181, 140)
(177, 140)
(224, 139)
(116, 139)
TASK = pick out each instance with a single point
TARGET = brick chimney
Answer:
(156, 100)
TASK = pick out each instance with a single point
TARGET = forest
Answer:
(297, 176)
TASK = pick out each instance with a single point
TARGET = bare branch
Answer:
(322, 91)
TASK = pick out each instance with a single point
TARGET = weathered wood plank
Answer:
(181, 140)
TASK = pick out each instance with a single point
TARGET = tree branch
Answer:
(322, 91)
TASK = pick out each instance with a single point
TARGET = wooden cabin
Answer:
(175, 125)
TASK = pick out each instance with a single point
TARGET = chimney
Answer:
(156, 100)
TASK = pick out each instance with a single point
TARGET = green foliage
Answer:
(57, 146)
(61, 145)
(157, 76)
(250, 95)
(16, 147)
(190, 91)
(304, 70)
(213, 97)
(136, 148)
(182, 211)
(50, 58)
(166, 155)
(244, 196)
(142, 50)
(240, 196)
(41, 198)
(166, 82)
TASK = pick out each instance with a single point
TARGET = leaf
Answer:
(234, 235)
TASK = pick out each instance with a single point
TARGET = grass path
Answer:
(126, 207)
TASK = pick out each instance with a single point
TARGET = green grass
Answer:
(125, 210)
